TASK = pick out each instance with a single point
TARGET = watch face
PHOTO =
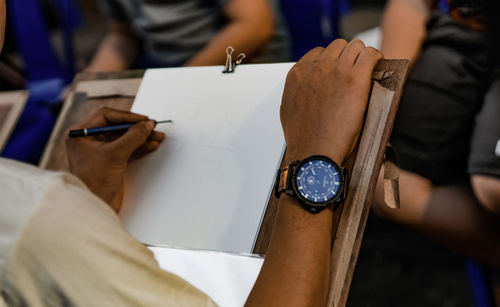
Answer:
(318, 181)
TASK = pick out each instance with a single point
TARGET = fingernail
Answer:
(150, 124)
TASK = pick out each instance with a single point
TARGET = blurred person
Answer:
(447, 130)
(189, 33)
(62, 243)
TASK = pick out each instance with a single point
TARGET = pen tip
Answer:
(163, 121)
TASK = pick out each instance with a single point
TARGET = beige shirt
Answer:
(62, 246)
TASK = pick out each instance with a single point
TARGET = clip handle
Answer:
(230, 66)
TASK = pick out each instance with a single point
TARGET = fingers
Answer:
(153, 142)
(367, 60)
(134, 138)
(156, 136)
(303, 65)
(114, 116)
(351, 52)
(106, 116)
(311, 56)
(145, 149)
(333, 51)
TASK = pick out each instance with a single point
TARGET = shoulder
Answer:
(74, 246)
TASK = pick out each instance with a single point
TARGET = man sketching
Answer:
(62, 244)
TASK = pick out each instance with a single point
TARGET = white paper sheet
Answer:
(226, 278)
(208, 184)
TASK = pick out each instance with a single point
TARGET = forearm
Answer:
(117, 52)
(321, 114)
(404, 29)
(297, 266)
(243, 37)
(251, 25)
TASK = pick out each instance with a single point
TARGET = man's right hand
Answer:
(101, 162)
(325, 98)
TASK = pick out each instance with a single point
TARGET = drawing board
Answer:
(208, 184)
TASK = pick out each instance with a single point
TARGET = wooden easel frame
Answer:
(11, 106)
(118, 90)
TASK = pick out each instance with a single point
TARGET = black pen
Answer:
(105, 129)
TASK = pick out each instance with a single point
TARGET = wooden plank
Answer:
(109, 88)
(383, 105)
(11, 107)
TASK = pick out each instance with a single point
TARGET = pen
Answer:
(105, 129)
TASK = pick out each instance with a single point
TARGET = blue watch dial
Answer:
(318, 181)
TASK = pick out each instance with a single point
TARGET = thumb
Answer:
(134, 138)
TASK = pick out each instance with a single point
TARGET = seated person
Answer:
(189, 33)
(62, 244)
(447, 127)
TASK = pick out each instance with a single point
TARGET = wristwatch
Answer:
(317, 182)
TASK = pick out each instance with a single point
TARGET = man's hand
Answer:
(325, 98)
(100, 163)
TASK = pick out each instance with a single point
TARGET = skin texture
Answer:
(117, 51)
(450, 215)
(335, 80)
(100, 162)
(251, 25)
(454, 216)
(404, 28)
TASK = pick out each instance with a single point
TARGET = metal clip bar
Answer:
(230, 65)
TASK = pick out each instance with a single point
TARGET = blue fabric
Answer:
(481, 287)
(313, 23)
(33, 39)
(47, 74)
(444, 6)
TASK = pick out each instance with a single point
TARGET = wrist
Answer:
(290, 206)
(299, 154)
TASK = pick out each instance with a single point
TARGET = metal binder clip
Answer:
(239, 59)
(230, 65)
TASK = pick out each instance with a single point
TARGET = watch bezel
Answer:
(312, 206)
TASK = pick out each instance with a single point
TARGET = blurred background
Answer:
(396, 266)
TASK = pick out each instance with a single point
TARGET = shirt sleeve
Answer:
(74, 251)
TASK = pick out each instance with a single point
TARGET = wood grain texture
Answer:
(109, 88)
(11, 107)
(383, 105)
(4, 112)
